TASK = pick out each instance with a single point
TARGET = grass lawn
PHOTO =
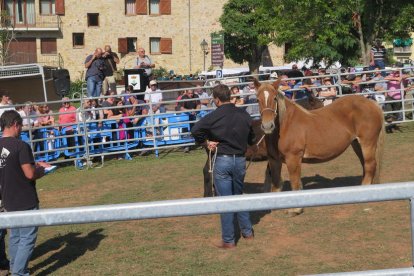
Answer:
(322, 240)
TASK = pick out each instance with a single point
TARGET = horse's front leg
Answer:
(293, 163)
(273, 179)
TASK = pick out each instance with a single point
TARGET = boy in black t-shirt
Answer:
(18, 172)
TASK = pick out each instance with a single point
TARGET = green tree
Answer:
(7, 35)
(338, 30)
(247, 32)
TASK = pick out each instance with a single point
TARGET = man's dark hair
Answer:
(9, 118)
(221, 92)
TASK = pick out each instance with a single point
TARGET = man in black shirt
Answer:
(111, 60)
(227, 131)
(18, 173)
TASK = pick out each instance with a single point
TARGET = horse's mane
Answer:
(281, 105)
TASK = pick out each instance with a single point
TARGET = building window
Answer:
(93, 19)
(130, 7)
(23, 12)
(155, 45)
(131, 44)
(48, 46)
(154, 7)
(78, 40)
(47, 7)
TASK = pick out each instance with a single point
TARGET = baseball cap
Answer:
(153, 82)
(273, 75)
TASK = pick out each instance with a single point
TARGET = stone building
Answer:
(63, 32)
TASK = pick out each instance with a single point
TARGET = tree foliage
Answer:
(246, 31)
(318, 30)
(338, 30)
(7, 35)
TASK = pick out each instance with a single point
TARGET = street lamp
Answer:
(204, 47)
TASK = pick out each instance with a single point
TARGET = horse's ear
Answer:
(277, 83)
(256, 83)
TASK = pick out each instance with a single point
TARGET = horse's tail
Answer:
(379, 151)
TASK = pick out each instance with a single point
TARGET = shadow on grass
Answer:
(70, 247)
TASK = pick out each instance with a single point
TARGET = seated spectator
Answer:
(295, 72)
(67, 116)
(115, 113)
(284, 84)
(235, 96)
(153, 97)
(85, 113)
(5, 101)
(97, 112)
(178, 99)
(108, 103)
(190, 106)
(328, 92)
(251, 99)
(379, 80)
(203, 96)
(45, 117)
(30, 116)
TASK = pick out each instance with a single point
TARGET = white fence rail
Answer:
(205, 206)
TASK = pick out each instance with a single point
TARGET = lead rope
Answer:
(212, 162)
(254, 153)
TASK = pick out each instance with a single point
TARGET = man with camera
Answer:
(111, 75)
(95, 73)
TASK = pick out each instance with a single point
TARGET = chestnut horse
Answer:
(295, 135)
(257, 152)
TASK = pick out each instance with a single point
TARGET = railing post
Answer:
(412, 228)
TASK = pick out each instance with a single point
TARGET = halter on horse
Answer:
(295, 135)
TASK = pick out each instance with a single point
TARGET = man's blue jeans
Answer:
(94, 86)
(229, 172)
(21, 244)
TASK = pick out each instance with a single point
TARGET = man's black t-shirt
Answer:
(18, 193)
(110, 64)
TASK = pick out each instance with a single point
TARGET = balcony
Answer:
(402, 50)
(52, 60)
(38, 23)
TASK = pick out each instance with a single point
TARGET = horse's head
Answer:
(267, 95)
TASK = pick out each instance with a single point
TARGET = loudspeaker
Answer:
(61, 80)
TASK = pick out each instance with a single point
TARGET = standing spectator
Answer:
(111, 60)
(18, 174)
(380, 82)
(95, 65)
(327, 92)
(203, 96)
(153, 97)
(377, 56)
(227, 130)
(251, 99)
(395, 87)
(295, 72)
(144, 62)
(5, 102)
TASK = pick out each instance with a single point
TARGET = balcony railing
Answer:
(402, 50)
(53, 60)
(40, 23)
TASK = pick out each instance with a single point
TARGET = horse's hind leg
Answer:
(293, 164)
(370, 163)
(356, 146)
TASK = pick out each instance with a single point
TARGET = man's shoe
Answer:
(249, 237)
(225, 245)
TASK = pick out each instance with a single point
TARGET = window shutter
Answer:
(166, 46)
(141, 6)
(165, 6)
(48, 46)
(60, 7)
(123, 45)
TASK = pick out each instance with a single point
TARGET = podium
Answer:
(138, 79)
